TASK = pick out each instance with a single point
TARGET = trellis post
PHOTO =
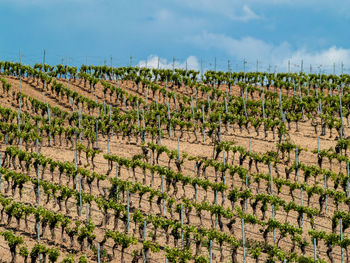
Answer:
(182, 230)
(49, 115)
(211, 251)
(19, 124)
(38, 180)
(138, 114)
(226, 112)
(273, 206)
(151, 163)
(0, 172)
(144, 239)
(79, 122)
(116, 177)
(128, 210)
(243, 241)
(341, 239)
(143, 135)
(203, 130)
(169, 119)
(80, 199)
(159, 131)
(98, 253)
(315, 250)
(195, 185)
(87, 212)
(163, 200)
(341, 115)
(347, 173)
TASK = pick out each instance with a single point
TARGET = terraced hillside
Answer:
(131, 164)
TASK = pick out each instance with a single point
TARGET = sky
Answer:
(267, 35)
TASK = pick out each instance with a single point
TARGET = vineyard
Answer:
(129, 164)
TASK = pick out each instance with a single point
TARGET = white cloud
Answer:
(253, 49)
(153, 62)
(234, 10)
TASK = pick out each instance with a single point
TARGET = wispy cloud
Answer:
(154, 61)
(276, 55)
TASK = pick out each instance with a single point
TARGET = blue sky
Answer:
(270, 31)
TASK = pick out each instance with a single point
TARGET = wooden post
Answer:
(243, 241)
